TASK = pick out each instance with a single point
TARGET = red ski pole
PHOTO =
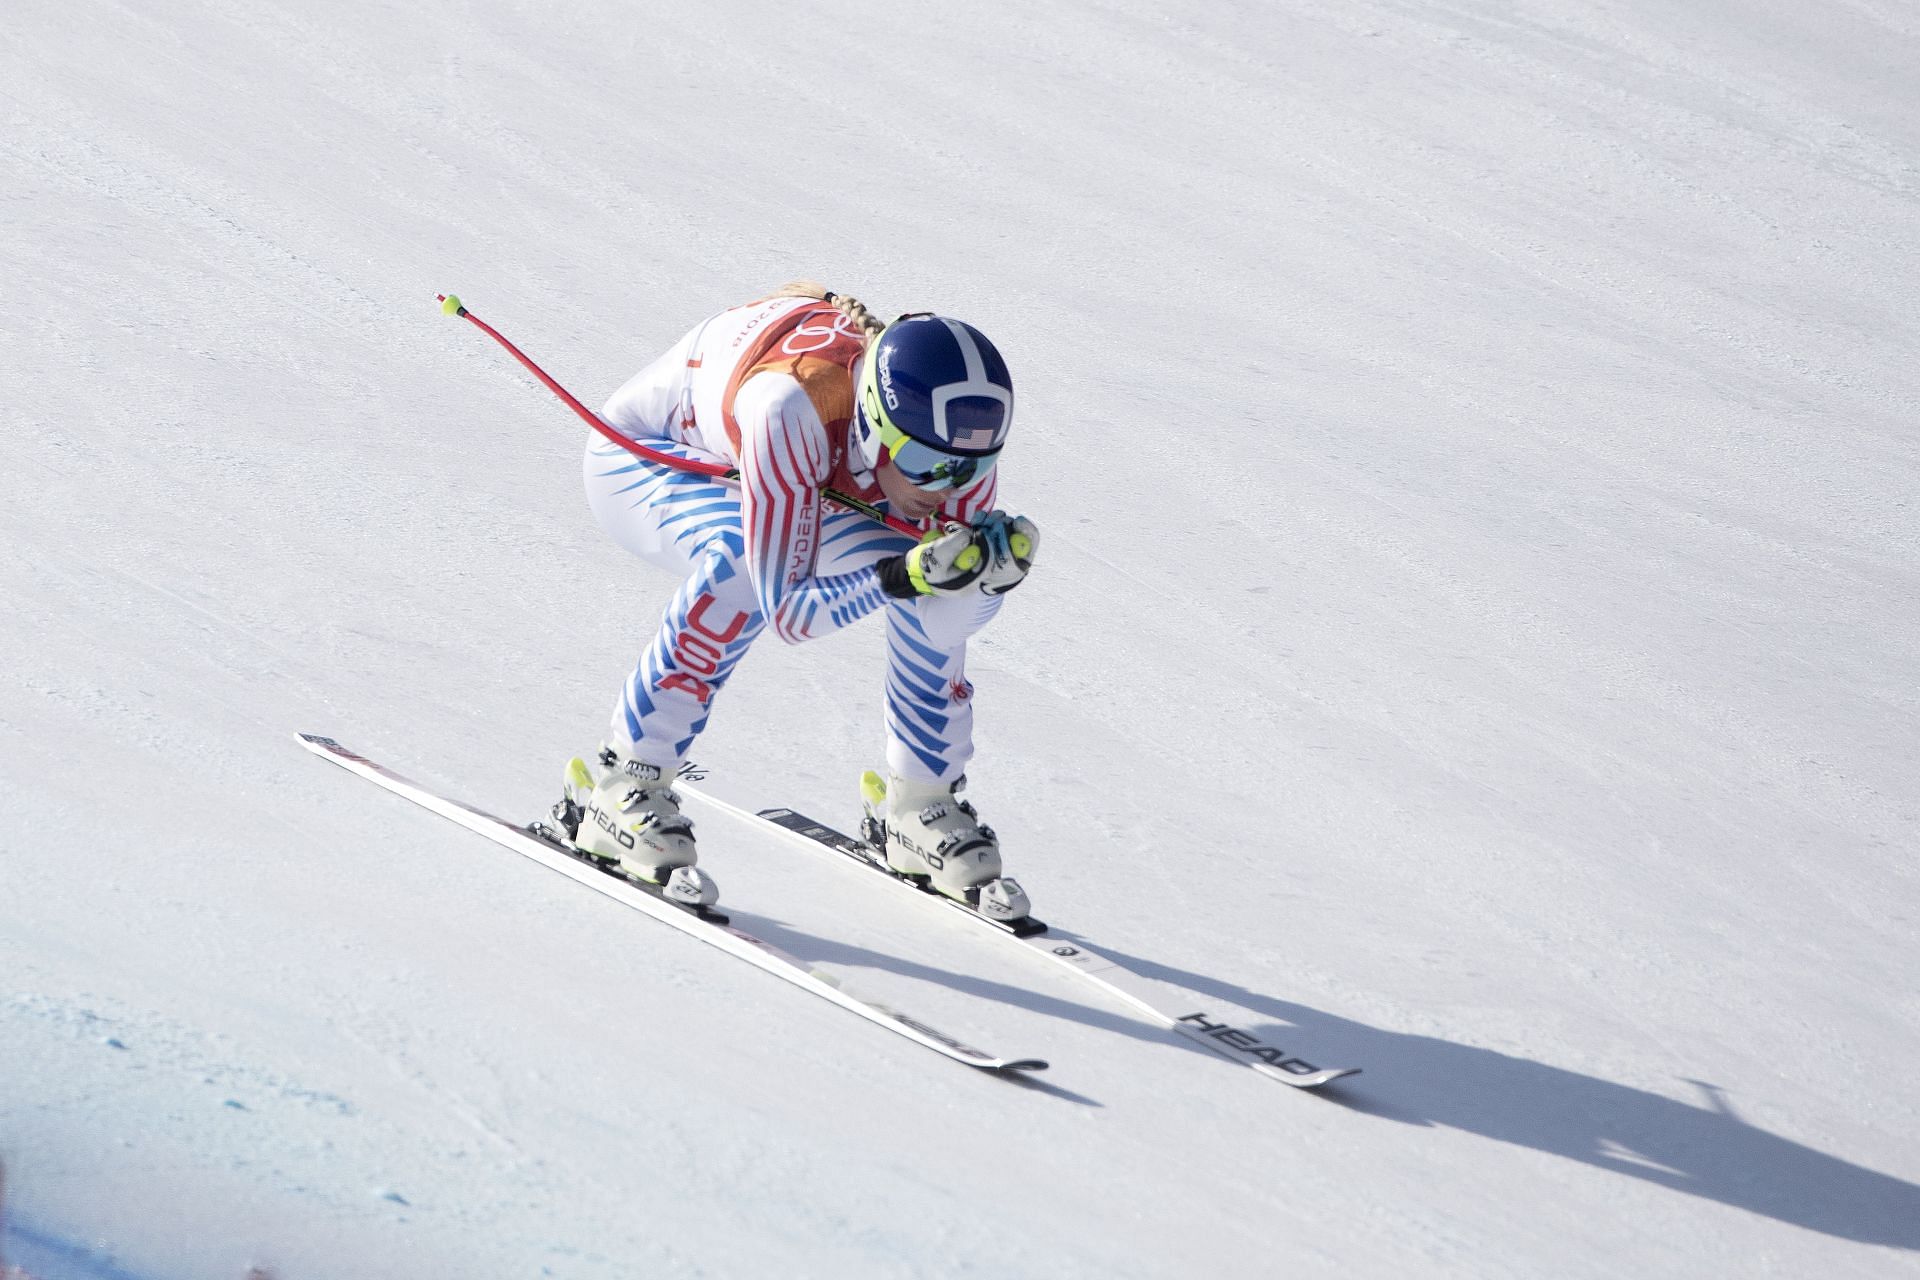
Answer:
(451, 305)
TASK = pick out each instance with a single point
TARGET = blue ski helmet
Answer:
(935, 399)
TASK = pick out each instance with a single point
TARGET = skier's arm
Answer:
(784, 459)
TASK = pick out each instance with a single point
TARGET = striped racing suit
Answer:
(769, 388)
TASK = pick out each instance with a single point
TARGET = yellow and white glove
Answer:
(993, 554)
(1010, 543)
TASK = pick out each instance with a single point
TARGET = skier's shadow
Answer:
(1705, 1151)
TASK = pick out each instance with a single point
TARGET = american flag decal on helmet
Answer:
(976, 437)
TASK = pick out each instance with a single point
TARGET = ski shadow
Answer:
(1705, 1151)
(834, 953)
(1040, 1084)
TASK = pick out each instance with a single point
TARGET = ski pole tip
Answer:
(450, 304)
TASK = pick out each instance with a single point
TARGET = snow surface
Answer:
(1476, 638)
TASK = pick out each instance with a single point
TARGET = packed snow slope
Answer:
(1475, 638)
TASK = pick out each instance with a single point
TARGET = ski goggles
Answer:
(964, 418)
(925, 467)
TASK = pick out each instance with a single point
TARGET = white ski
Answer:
(704, 924)
(1140, 994)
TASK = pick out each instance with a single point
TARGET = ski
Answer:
(703, 923)
(1138, 993)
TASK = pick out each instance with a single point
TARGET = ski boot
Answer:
(622, 814)
(931, 835)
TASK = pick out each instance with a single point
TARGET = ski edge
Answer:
(1099, 971)
(724, 936)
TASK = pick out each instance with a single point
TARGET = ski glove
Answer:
(1010, 543)
(992, 554)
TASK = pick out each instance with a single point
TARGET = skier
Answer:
(802, 389)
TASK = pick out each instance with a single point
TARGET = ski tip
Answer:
(1023, 1065)
(1318, 1078)
(450, 304)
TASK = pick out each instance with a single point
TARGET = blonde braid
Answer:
(851, 307)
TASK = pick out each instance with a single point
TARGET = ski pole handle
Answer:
(450, 304)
